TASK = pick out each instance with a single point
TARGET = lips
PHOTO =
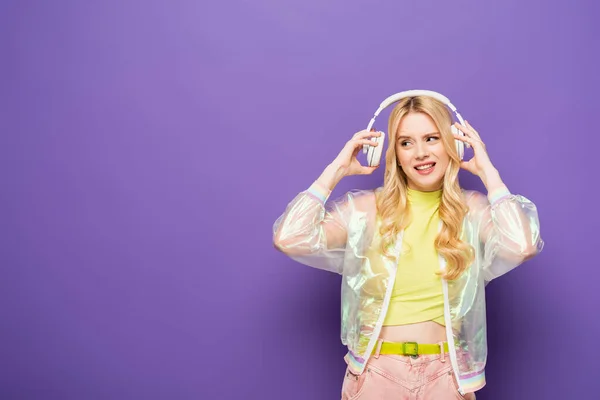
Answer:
(425, 169)
(424, 166)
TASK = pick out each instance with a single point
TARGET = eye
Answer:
(433, 137)
(404, 143)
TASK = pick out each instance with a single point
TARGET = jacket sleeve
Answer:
(313, 231)
(509, 230)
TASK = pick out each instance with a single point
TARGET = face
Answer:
(421, 153)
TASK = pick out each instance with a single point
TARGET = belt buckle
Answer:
(414, 354)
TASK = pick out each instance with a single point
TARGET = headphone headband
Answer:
(374, 153)
(413, 93)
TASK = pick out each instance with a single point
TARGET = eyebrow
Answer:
(426, 134)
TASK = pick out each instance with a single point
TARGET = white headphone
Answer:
(374, 152)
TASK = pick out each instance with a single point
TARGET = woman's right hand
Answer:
(346, 161)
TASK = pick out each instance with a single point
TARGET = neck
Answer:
(420, 196)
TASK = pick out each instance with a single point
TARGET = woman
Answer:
(414, 255)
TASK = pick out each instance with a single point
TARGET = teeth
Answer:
(425, 166)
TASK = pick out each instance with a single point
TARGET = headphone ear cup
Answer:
(374, 152)
(460, 146)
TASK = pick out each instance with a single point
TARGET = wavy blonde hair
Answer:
(392, 205)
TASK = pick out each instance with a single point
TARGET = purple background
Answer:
(148, 147)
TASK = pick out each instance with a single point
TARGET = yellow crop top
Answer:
(417, 295)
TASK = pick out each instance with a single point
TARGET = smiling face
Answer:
(420, 152)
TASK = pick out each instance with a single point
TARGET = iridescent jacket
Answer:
(342, 236)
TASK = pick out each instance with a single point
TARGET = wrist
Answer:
(496, 189)
(331, 176)
(319, 192)
(491, 179)
(498, 194)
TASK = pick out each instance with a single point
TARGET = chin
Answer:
(428, 185)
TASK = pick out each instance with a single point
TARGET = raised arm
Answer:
(509, 230)
(313, 231)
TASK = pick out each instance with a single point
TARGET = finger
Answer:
(463, 128)
(368, 142)
(473, 129)
(366, 134)
(358, 144)
(462, 138)
(356, 134)
(368, 170)
(362, 132)
(468, 140)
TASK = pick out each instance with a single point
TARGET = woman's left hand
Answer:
(481, 161)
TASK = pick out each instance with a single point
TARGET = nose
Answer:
(422, 151)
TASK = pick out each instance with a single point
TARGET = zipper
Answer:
(386, 301)
(448, 320)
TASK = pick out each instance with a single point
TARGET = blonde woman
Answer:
(415, 254)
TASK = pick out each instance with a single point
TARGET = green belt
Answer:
(410, 348)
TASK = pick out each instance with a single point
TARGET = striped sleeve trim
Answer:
(474, 382)
(319, 192)
(498, 194)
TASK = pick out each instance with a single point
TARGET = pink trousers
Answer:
(388, 376)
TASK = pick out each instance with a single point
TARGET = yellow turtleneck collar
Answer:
(425, 198)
